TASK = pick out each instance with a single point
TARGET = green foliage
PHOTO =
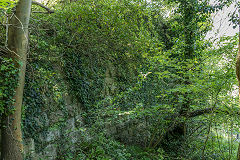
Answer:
(105, 34)
(42, 82)
(6, 4)
(132, 67)
(105, 149)
(8, 80)
(80, 59)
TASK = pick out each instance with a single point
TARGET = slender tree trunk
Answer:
(189, 34)
(12, 146)
(238, 74)
(238, 152)
(238, 77)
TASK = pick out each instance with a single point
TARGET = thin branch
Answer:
(47, 2)
(41, 5)
(200, 112)
(40, 12)
(6, 30)
(205, 143)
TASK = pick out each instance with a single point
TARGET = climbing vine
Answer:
(8, 80)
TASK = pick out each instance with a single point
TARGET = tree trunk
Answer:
(238, 77)
(12, 146)
(238, 74)
(188, 13)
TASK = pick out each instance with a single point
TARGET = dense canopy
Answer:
(118, 80)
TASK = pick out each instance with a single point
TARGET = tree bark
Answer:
(238, 73)
(12, 146)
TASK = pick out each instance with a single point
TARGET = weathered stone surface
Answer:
(66, 116)
(56, 116)
(29, 149)
(49, 153)
(130, 131)
(50, 135)
(70, 125)
(42, 120)
(111, 129)
(67, 99)
(74, 137)
(71, 110)
(79, 121)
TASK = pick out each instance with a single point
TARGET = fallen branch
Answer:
(208, 110)
(201, 112)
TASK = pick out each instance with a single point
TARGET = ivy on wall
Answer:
(8, 81)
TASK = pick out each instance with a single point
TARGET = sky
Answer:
(221, 24)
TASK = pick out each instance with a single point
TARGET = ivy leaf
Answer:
(6, 4)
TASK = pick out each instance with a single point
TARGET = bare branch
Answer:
(41, 5)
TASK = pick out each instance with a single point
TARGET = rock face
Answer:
(49, 153)
(129, 131)
(60, 132)
(57, 131)
(54, 124)
(29, 149)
